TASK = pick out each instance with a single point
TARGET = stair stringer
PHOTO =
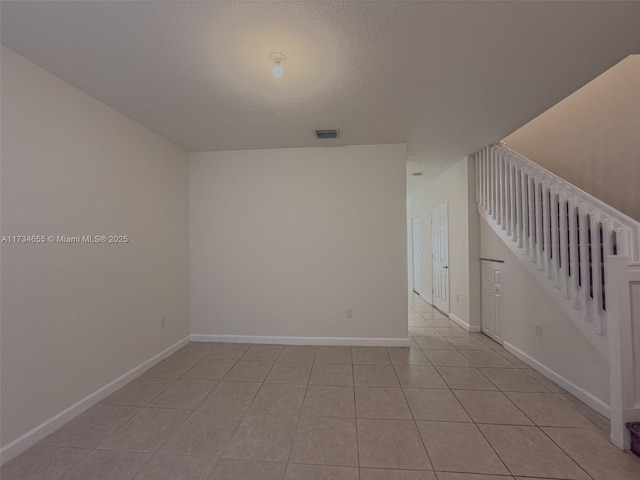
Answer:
(600, 342)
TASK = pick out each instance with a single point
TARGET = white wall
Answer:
(451, 187)
(284, 241)
(591, 138)
(75, 317)
(562, 348)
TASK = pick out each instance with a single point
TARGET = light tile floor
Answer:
(453, 406)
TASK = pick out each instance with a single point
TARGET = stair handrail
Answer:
(593, 202)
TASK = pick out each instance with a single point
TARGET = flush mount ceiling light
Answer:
(277, 59)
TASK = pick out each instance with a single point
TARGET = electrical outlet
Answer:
(457, 297)
(349, 313)
(539, 330)
(163, 322)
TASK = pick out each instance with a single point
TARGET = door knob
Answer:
(446, 267)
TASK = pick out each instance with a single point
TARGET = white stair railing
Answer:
(585, 253)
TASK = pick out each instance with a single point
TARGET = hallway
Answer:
(453, 406)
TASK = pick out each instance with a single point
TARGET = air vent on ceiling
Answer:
(417, 174)
(322, 134)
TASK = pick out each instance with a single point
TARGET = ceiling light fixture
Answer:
(277, 59)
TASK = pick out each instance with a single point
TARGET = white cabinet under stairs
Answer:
(585, 253)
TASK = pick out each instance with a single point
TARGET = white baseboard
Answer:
(33, 436)
(587, 398)
(465, 325)
(425, 298)
(338, 341)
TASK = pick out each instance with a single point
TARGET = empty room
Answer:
(319, 240)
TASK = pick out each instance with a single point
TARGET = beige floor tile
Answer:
(186, 394)
(230, 397)
(210, 369)
(381, 402)
(197, 349)
(280, 399)
(447, 358)
(262, 353)
(329, 401)
(474, 476)
(297, 373)
(546, 409)
(172, 367)
(391, 444)
(263, 437)
(170, 467)
(203, 434)
(92, 427)
(453, 332)
(512, 359)
(333, 355)
(146, 431)
(528, 452)
(320, 472)
(42, 462)
(228, 351)
(491, 407)
(442, 323)
(331, 374)
(370, 355)
(418, 321)
(424, 332)
(590, 413)
(407, 356)
(140, 392)
(459, 447)
(384, 474)
(374, 376)
(544, 381)
(432, 404)
(465, 378)
(419, 376)
(297, 354)
(594, 452)
(229, 469)
(512, 380)
(107, 466)
(248, 371)
(325, 441)
(468, 343)
(434, 343)
(481, 358)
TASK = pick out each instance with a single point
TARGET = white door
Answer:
(492, 299)
(415, 247)
(440, 255)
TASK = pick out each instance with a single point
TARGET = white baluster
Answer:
(517, 221)
(532, 217)
(492, 191)
(574, 242)
(539, 225)
(476, 158)
(596, 271)
(507, 163)
(553, 251)
(524, 229)
(585, 261)
(545, 229)
(513, 206)
(563, 260)
(503, 191)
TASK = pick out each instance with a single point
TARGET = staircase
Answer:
(584, 253)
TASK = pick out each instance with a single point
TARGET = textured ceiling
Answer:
(444, 77)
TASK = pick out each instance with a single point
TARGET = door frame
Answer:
(491, 298)
(416, 249)
(445, 308)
